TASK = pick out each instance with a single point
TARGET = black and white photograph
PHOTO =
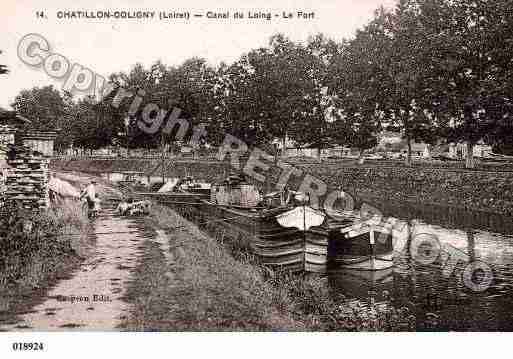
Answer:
(304, 169)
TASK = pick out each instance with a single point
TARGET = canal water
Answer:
(438, 289)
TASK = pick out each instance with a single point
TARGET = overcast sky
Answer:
(108, 46)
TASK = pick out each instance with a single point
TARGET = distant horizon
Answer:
(120, 44)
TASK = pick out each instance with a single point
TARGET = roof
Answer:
(6, 129)
(418, 147)
(389, 134)
(40, 135)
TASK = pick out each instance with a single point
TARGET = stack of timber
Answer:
(27, 178)
(3, 172)
(7, 134)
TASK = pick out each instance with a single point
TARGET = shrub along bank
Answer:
(36, 250)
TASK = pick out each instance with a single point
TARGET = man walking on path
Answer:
(89, 193)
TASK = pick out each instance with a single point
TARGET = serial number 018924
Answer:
(27, 346)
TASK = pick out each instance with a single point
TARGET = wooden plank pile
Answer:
(3, 172)
(27, 178)
(7, 134)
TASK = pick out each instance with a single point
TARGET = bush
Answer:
(30, 239)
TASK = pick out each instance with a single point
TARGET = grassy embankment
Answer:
(35, 251)
(213, 284)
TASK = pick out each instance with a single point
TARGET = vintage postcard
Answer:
(240, 166)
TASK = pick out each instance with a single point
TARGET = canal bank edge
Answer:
(490, 192)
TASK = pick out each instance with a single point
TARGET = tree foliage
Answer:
(438, 71)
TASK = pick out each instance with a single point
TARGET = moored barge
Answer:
(283, 231)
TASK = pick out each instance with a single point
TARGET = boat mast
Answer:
(372, 242)
(267, 178)
(304, 233)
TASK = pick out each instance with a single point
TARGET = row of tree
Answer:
(435, 70)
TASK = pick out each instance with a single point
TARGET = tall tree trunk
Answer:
(469, 158)
(284, 145)
(268, 178)
(361, 160)
(408, 155)
(162, 148)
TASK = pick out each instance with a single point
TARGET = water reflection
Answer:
(436, 293)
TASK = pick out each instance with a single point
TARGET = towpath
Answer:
(92, 297)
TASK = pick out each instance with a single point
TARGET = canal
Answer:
(437, 291)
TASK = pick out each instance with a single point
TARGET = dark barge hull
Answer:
(289, 249)
(362, 249)
(329, 246)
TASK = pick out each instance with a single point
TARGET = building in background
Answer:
(388, 140)
(459, 150)
(419, 150)
(16, 129)
(10, 125)
(40, 141)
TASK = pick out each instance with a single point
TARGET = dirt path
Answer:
(91, 299)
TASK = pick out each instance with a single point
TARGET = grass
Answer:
(214, 284)
(35, 251)
(207, 289)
